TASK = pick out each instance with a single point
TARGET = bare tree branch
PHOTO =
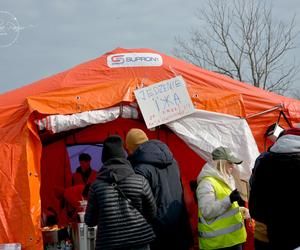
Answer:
(241, 39)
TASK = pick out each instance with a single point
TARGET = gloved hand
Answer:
(235, 196)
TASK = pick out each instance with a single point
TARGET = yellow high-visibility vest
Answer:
(225, 230)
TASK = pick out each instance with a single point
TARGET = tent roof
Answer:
(97, 71)
(94, 85)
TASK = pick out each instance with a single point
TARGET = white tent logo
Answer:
(134, 60)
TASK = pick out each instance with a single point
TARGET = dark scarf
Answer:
(84, 174)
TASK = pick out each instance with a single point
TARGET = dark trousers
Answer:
(144, 247)
(236, 247)
(261, 245)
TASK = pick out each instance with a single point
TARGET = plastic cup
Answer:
(81, 216)
(83, 204)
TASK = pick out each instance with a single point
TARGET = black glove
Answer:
(235, 196)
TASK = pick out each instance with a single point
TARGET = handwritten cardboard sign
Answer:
(164, 101)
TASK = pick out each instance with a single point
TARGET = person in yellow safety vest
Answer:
(220, 219)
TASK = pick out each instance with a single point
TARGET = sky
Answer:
(56, 35)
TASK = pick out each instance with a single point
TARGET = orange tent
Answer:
(27, 161)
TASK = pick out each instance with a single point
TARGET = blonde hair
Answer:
(221, 166)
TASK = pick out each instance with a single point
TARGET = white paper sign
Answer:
(164, 101)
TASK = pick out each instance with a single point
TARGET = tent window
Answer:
(94, 150)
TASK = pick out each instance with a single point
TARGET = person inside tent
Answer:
(221, 220)
(275, 191)
(84, 173)
(70, 197)
(154, 160)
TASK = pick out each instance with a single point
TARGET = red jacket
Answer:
(78, 177)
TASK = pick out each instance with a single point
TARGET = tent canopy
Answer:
(95, 85)
(98, 84)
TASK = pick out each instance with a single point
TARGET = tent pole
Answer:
(264, 112)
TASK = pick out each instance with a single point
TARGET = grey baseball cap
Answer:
(222, 153)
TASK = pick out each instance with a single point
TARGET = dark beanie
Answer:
(113, 148)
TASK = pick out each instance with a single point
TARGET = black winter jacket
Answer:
(120, 225)
(155, 162)
(274, 197)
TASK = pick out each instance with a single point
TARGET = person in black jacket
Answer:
(257, 203)
(120, 202)
(153, 160)
(274, 195)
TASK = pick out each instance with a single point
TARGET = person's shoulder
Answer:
(78, 169)
(141, 168)
(158, 143)
(263, 157)
(94, 171)
(154, 143)
(205, 184)
(98, 183)
(76, 174)
(160, 147)
(137, 176)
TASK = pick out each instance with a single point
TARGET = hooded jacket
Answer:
(274, 196)
(155, 162)
(120, 224)
(207, 202)
(220, 221)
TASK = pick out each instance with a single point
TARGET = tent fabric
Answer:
(60, 123)
(204, 131)
(95, 85)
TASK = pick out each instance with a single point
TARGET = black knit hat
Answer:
(113, 148)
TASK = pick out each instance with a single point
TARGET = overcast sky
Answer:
(56, 35)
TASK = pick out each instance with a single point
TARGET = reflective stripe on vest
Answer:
(229, 213)
(221, 231)
(225, 230)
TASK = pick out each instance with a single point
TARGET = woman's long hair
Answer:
(221, 166)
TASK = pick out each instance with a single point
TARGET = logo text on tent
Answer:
(134, 60)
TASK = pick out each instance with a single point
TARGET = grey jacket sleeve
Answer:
(207, 202)
(91, 213)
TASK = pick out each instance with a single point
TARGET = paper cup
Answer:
(83, 204)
